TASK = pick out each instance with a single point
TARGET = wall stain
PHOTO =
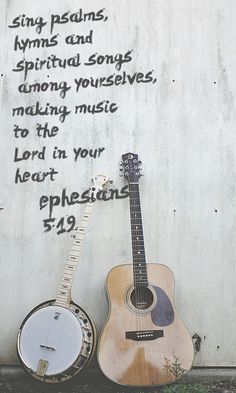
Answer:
(198, 342)
(224, 84)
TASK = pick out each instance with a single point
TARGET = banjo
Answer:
(57, 338)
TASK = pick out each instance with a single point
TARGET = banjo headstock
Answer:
(100, 182)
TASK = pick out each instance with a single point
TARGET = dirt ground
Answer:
(91, 384)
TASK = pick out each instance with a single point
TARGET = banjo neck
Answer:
(64, 293)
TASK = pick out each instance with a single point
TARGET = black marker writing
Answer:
(117, 60)
(20, 132)
(115, 80)
(77, 17)
(102, 106)
(94, 153)
(59, 153)
(65, 199)
(41, 87)
(27, 154)
(40, 110)
(43, 131)
(75, 39)
(37, 177)
(23, 44)
(25, 21)
(50, 62)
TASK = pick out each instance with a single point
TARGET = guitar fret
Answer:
(140, 276)
(141, 269)
(138, 262)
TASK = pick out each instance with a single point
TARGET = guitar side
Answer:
(140, 348)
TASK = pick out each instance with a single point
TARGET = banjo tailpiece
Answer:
(42, 368)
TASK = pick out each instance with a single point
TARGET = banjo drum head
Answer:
(52, 334)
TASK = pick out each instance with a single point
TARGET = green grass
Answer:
(185, 388)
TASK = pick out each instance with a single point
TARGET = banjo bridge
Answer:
(48, 347)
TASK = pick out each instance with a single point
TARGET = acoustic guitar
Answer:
(57, 339)
(144, 342)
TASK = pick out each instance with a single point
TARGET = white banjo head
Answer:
(52, 339)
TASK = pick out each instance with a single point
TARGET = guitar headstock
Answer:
(100, 181)
(130, 166)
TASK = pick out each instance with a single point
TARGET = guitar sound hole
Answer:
(141, 298)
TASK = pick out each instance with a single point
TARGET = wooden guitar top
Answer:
(143, 347)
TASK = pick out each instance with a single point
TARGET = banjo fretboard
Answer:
(64, 294)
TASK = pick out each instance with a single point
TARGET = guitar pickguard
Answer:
(163, 313)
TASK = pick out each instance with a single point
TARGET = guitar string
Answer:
(137, 262)
(134, 245)
(136, 287)
(139, 254)
(147, 297)
(132, 221)
(143, 269)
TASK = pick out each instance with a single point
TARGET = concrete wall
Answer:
(182, 125)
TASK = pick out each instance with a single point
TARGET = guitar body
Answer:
(55, 343)
(144, 341)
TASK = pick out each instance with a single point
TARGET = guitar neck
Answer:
(138, 250)
(64, 293)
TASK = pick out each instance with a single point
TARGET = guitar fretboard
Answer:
(64, 293)
(138, 251)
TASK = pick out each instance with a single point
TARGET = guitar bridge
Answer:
(144, 335)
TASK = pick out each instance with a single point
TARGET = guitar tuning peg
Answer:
(121, 169)
(140, 162)
(121, 163)
(111, 181)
